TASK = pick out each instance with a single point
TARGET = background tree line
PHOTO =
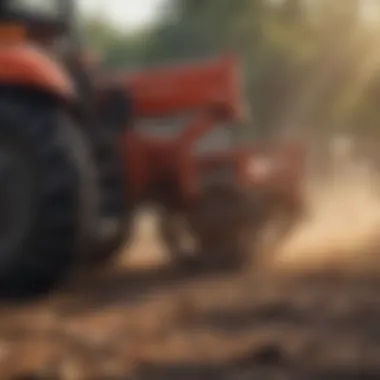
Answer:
(311, 66)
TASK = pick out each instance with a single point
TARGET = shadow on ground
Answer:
(103, 290)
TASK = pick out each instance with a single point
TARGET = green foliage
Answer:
(306, 61)
(117, 48)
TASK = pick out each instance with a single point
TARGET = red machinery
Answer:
(77, 157)
(183, 154)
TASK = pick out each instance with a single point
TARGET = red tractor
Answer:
(184, 155)
(77, 155)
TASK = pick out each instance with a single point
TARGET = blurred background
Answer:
(311, 73)
(310, 66)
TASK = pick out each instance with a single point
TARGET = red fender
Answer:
(26, 65)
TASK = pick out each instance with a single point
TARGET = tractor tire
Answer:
(47, 196)
(232, 252)
(115, 209)
(223, 225)
(220, 223)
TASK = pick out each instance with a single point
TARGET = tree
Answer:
(307, 63)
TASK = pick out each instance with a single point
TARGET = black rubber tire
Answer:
(111, 172)
(221, 221)
(62, 195)
(114, 204)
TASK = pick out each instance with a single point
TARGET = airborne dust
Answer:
(341, 230)
(222, 328)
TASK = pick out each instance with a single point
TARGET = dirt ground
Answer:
(314, 314)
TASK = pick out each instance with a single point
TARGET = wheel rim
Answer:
(15, 202)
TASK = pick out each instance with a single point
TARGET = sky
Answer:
(129, 14)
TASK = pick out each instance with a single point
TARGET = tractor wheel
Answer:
(47, 196)
(219, 225)
(115, 209)
(228, 253)
(221, 222)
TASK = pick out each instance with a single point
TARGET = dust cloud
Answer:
(339, 233)
(341, 229)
